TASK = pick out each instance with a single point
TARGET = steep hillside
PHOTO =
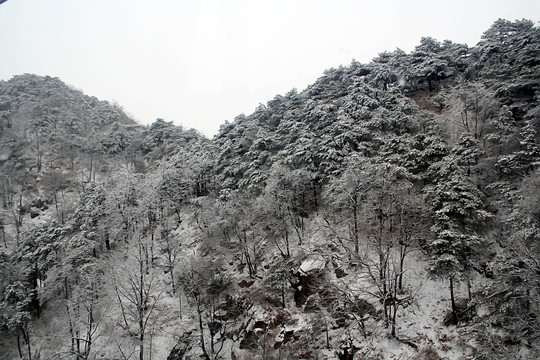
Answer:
(76, 176)
(389, 210)
(433, 151)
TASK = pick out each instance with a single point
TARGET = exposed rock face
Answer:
(309, 273)
(181, 347)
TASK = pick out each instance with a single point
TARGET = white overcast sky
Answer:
(201, 62)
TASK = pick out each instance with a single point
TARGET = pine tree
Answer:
(458, 209)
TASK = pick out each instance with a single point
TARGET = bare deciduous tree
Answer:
(138, 292)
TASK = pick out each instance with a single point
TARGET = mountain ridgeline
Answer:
(389, 210)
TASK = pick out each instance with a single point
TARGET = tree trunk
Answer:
(26, 336)
(141, 345)
(19, 345)
(201, 328)
(287, 243)
(71, 333)
(283, 295)
(3, 235)
(141, 299)
(172, 278)
(78, 345)
(402, 254)
(39, 152)
(394, 305)
(314, 187)
(355, 216)
(180, 302)
(90, 168)
(88, 343)
(393, 321)
(150, 349)
(326, 331)
(29, 349)
(454, 308)
(35, 299)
